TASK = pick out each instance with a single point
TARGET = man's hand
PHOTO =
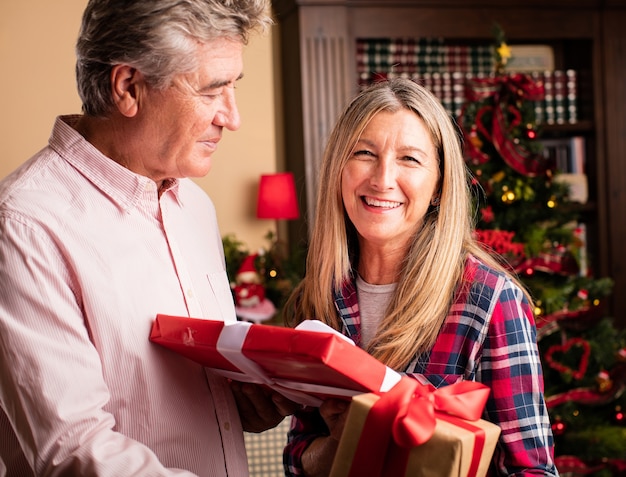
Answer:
(261, 408)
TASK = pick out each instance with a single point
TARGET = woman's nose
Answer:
(384, 174)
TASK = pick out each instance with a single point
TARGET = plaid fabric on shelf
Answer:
(265, 451)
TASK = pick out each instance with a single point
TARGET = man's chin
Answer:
(200, 169)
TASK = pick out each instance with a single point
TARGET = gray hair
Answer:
(158, 37)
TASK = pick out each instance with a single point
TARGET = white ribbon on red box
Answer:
(230, 345)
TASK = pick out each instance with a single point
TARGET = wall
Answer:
(37, 83)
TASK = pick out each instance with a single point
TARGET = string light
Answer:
(508, 197)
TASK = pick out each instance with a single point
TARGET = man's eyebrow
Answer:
(220, 83)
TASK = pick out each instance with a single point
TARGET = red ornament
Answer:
(619, 417)
(558, 426)
(501, 241)
(487, 214)
(583, 363)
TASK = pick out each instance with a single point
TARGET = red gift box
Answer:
(306, 363)
(418, 431)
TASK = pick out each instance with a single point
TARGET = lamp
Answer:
(277, 197)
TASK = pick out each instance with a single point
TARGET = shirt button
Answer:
(190, 293)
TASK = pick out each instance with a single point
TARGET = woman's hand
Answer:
(317, 460)
(334, 412)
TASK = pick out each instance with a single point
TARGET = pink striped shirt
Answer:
(89, 254)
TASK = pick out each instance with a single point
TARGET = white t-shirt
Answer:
(373, 302)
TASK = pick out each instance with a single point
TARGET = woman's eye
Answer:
(363, 152)
(411, 159)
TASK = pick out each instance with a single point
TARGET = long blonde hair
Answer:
(434, 266)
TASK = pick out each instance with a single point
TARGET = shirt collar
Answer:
(123, 186)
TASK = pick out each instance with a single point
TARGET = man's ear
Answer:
(126, 85)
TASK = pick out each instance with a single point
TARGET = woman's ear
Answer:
(436, 199)
(126, 85)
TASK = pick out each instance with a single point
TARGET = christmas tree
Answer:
(525, 214)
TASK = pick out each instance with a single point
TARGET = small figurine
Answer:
(250, 301)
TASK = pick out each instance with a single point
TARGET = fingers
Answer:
(285, 406)
(256, 407)
(333, 407)
(334, 412)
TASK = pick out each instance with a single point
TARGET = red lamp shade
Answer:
(277, 197)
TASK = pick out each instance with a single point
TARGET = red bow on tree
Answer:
(505, 92)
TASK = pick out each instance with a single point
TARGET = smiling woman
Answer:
(387, 186)
(394, 265)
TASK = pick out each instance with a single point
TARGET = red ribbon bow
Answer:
(406, 413)
(416, 403)
(501, 89)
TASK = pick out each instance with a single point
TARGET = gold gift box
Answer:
(449, 452)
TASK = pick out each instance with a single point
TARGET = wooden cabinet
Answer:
(317, 41)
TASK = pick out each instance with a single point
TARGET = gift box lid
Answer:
(313, 358)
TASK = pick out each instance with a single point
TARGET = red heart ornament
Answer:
(564, 348)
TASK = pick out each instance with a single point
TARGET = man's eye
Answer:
(212, 93)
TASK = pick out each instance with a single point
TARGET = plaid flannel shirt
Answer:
(489, 336)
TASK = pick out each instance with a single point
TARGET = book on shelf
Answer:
(571, 93)
(448, 69)
(568, 156)
(561, 96)
(548, 98)
(458, 92)
(560, 111)
(538, 106)
(568, 153)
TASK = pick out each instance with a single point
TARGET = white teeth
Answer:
(381, 203)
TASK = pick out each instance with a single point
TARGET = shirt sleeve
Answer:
(511, 367)
(53, 390)
(306, 426)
